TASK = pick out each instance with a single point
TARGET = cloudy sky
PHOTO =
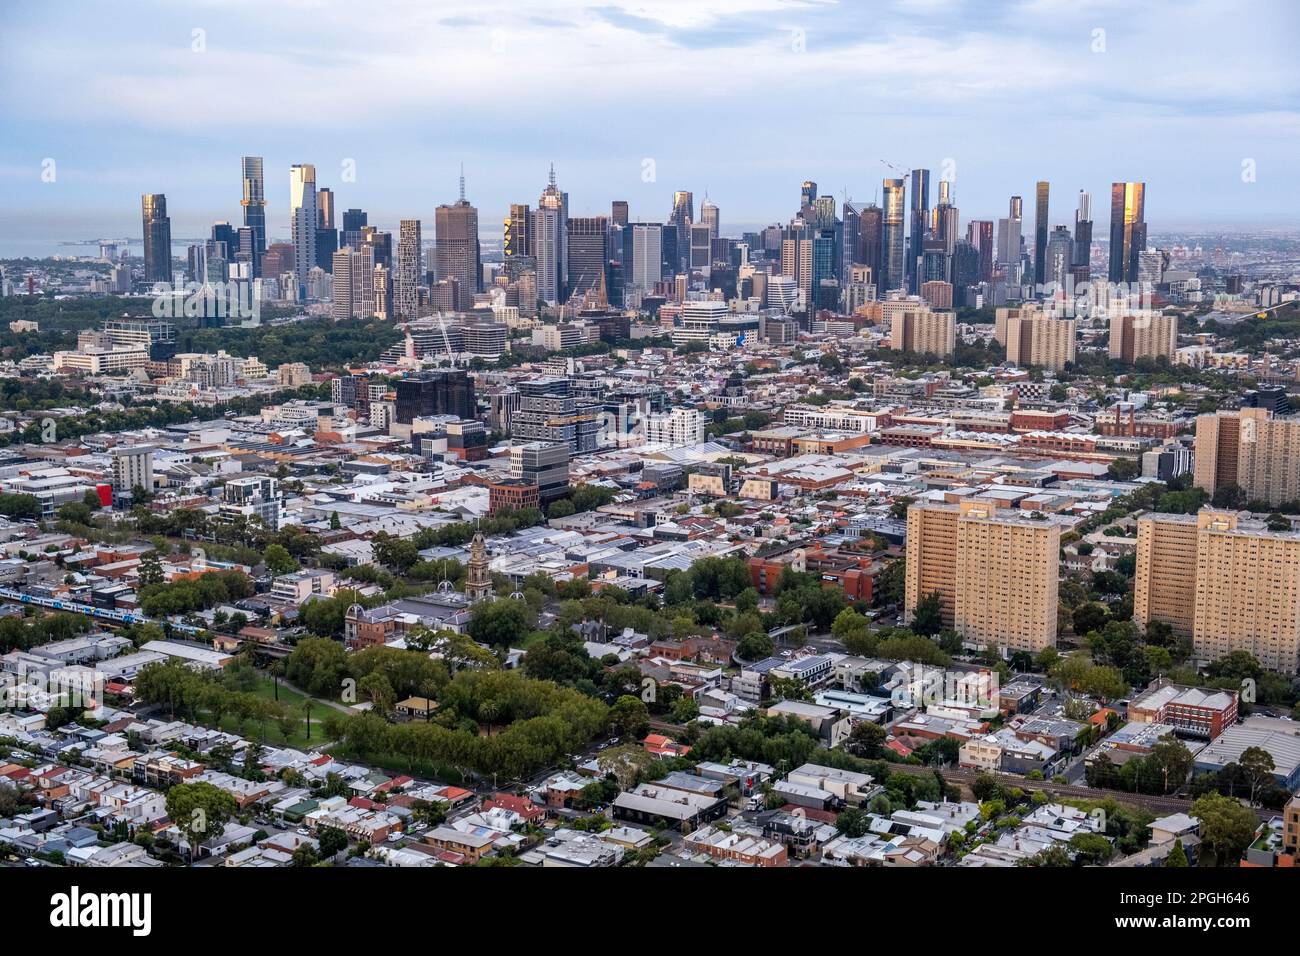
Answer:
(632, 99)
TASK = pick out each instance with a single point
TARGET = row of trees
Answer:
(490, 722)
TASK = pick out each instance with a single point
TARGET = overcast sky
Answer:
(743, 99)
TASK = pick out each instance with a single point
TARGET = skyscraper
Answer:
(979, 233)
(407, 270)
(354, 220)
(892, 254)
(517, 239)
(1059, 257)
(618, 212)
(457, 253)
(551, 242)
(1040, 232)
(709, 216)
(302, 218)
(871, 238)
(807, 194)
(919, 224)
(587, 253)
(1083, 230)
(1128, 230)
(680, 219)
(647, 255)
(1009, 239)
(254, 201)
(157, 238)
(327, 236)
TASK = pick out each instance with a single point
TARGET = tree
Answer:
(335, 524)
(1257, 765)
(150, 569)
(278, 560)
(867, 739)
(200, 810)
(1091, 848)
(1227, 827)
(1172, 760)
(927, 618)
(755, 646)
(1229, 496)
(629, 717)
(1177, 856)
(500, 623)
(332, 840)
(1089, 617)
(1123, 469)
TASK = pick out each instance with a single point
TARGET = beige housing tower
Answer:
(924, 331)
(996, 570)
(1251, 449)
(1036, 339)
(1225, 580)
(1145, 335)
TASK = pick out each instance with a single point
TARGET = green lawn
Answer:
(293, 700)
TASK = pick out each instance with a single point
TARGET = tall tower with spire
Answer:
(457, 252)
(478, 582)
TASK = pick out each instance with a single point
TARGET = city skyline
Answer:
(157, 111)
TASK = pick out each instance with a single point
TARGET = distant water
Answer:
(45, 248)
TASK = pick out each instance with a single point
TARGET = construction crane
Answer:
(904, 173)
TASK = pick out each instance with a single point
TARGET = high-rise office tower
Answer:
(1143, 335)
(1009, 239)
(157, 238)
(1252, 449)
(254, 201)
(551, 242)
(618, 212)
(327, 236)
(701, 247)
(1224, 580)
(892, 254)
(1040, 232)
(342, 283)
(1083, 230)
(587, 253)
(680, 219)
(646, 255)
(517, 239)
(354, 220)
(946, 219)
(457, 253)
(709, 216)
(919, 225)
(302, 219)
(871, 240)
(807, 194)
(444, 392)
(379, 243)
(408, 270)
(995, 570)
(1059, 257)
(849, 239)
(1128, 230)
(979, 233)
